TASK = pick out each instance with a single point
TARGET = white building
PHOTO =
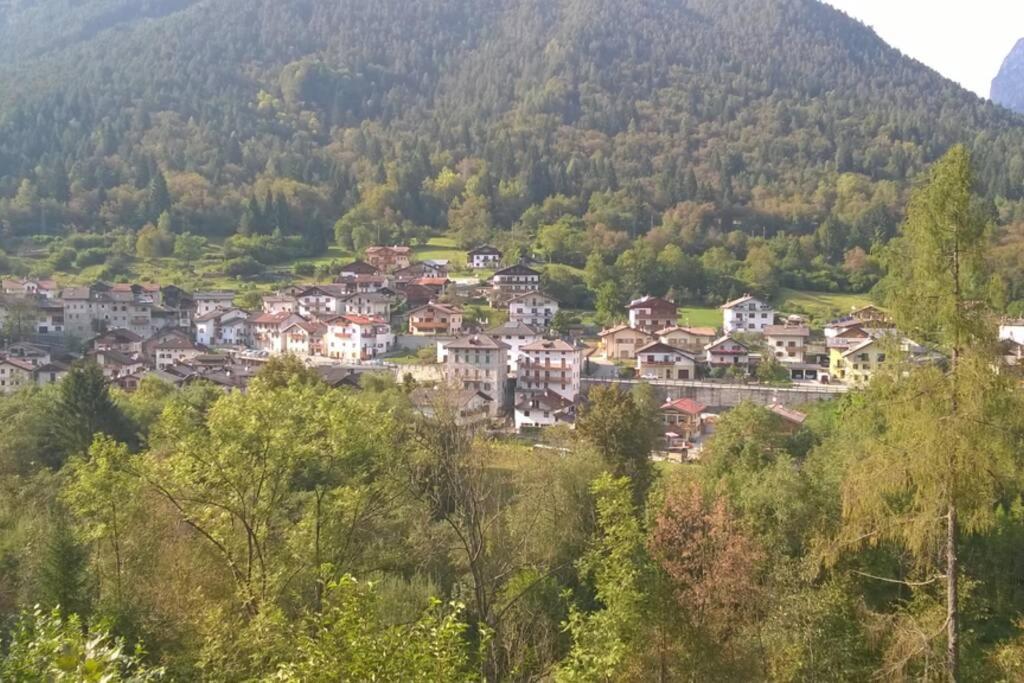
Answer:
(788, 342)
(659, 361)
(368, 304)
(207, 302)
(222, 328)
(357, 338)
(727, 352)
(1012, 330)
(513, 281)
(550, 365)
(322, 300)
(535, 309)
(747, 314)
(514, 335)
(280, 303)
(483, 257)
(543, 409)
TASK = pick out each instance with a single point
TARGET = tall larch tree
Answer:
(932, 451)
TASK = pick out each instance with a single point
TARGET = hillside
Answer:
(1008, 86)
(715, 123)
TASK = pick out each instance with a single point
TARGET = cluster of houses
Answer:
(518, 369)
(850, 350)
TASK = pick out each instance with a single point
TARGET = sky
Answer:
(964, 40)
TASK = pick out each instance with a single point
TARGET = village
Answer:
(520, 375)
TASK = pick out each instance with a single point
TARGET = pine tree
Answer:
(64, 571)
(85, 408)
(158, 198)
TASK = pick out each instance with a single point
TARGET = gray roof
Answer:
(512, 329)
(478, 341)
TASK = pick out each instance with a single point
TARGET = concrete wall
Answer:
(412, 342)
(718, 395)
(421, 373)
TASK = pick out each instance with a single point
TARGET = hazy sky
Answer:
(965, 40)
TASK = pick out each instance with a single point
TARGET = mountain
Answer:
(778, 114)
(1008, 86)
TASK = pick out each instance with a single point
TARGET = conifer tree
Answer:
(933, 447)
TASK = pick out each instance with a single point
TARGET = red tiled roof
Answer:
(685, 405)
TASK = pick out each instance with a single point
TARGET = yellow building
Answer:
(857, 365)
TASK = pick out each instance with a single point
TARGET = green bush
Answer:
(92, 257)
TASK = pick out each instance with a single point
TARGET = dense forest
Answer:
(295, 532)
(772, 142)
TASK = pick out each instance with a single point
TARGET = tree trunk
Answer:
(952, 594)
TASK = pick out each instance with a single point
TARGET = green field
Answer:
(820, 306)
(700, 317)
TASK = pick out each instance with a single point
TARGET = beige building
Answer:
(622, 342)
(692, 339)
(435, 319)
(479, 363)
(15, 373)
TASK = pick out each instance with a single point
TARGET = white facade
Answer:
(788, 344)
(515, 336)
(1012, 330)
(484, 257)
(208, 302)
(534, 309)
(747, 314)
(660, 361)
(550, 365)
(547, 409)
(357, 338)
(726, 352)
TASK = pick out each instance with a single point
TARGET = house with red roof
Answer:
(683, 423)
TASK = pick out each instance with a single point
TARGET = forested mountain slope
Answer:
(776, 114)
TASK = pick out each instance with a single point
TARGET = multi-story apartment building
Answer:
(514, 335)
(435, 319)
(368, 304)
(388, 259)
(481, 363)
(280, 303)
(321, 300)
(482, 257)
(858, 364)
(535, 309)
(100, 307)
(747, 314)
(513, 281)
(207, 302)
(788, 342)
(265, 330)
(303, 338)
(223, 328)
(652, 313)
(357, 338)
(550, 365)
